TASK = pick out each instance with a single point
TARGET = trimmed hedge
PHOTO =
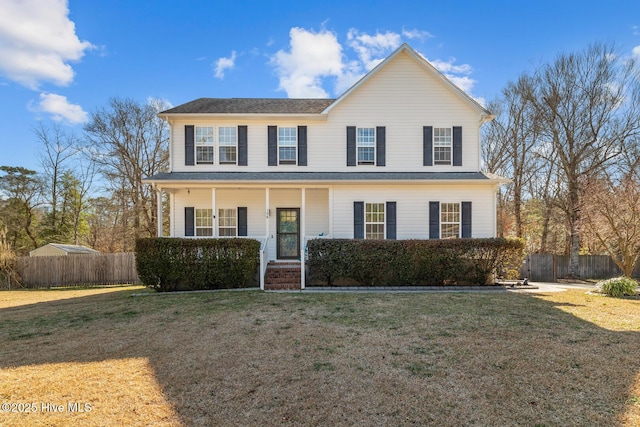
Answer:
(412, 262)
(175, 264)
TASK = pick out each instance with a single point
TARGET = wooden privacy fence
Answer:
(550, 268)
(78, 270)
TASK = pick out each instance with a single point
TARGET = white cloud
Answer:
(61, 109)
(37, 42)
(223, 64)
(416, 34)
(636, 53)
(311, 56)
(315, 57)
(372, 49)
(447, 67)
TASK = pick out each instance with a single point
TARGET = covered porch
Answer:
(283, 218)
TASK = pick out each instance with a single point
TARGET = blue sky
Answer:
(61, 60)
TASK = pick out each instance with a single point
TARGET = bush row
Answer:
(412, 262)
(173, 264)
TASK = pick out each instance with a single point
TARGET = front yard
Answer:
(101, 357)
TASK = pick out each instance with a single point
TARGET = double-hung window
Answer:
(287, 145)
(441, 146)
(204, 222)
(204, 145)
(228, 143)
(449, 220)
(374, 220)
(227, 223)
(366, 146)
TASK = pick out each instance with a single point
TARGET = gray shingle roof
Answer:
(251, 106)
(318, 176)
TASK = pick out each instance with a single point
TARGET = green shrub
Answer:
(173, 264)
(617, 287)
(412, 262)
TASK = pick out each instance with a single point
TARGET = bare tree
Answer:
(588, 105)
(129, 142)
(58, 148)
(612, 216)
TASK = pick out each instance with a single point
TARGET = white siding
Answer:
(412, 207)
(402, 96)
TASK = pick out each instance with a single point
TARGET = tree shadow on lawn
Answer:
(245, 358)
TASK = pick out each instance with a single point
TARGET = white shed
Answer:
(58, 249)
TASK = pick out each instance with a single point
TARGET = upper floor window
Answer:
(227, 224)
(287, 145)
(374, 220)
(204, 222)
(366, 145)
(228, 143)
(441, 146)
(204, 145)
(449, 220)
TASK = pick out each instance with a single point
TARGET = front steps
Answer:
(282, 276)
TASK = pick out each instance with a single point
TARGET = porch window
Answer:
(366, 145)
(449, 220)
(204, 222)
(204, 145)
(228, 142)
(374, 221)
(442, 146)
(227, 223)
(287, 145)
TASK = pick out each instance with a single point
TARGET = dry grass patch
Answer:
(253, 358)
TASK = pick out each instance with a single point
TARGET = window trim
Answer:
(220, 145)
(197, 227)
(382, 222)
(435, 145)
(373, 147)
(234, 217)
(294, 129)
(204, 144)
(443, 223)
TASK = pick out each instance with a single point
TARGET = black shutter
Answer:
(358, 220)
(351, 145)
(434, 220)
(189, 221)
(391, 220)
(427, 146)
(380, 145)
(189, 159)
(457, 146)
(466, 219)
(242, 221)
(272, 145)
(242, 146)
(302, 146)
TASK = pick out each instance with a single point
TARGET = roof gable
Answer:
(456, 91)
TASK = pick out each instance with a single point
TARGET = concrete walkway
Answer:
(533, 287)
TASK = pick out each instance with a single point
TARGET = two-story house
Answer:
(397, 156)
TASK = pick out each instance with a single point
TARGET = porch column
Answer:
(331, 212)
(215, 212)
(159, 209)
(266, 211)
(302, 236)
(172, 208)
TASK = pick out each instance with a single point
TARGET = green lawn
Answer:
(254, 358)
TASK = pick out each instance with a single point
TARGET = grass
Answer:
(253, 358)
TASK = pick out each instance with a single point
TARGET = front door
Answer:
(288, 234)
